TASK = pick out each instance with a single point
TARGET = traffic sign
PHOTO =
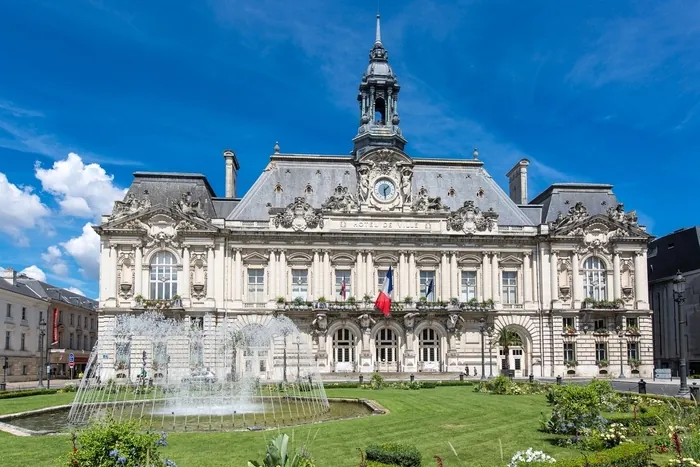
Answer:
(71, 358)
(71, 364)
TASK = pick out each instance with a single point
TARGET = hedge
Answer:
(650, 417)
(672, 399)
(624, 455)
(402, 455)
(30, 392)
(423, 384)
(379, 464)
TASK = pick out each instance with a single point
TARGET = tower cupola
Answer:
(378, 98)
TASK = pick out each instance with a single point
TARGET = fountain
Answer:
(200, 375)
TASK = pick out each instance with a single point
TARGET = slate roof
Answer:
(166, 188)
(316, 177)
(560, 197)
(19, 288)
(677, 250)
(224, 206)
(58, 294)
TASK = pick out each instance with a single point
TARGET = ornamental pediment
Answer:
(470, 219)
(600, 228)
(158, 223)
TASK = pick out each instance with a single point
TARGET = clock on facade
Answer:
(384, 190)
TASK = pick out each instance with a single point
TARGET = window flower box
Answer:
(633, 331)
(601, 332)
(602, 363)
(592, 304)
(571, 363)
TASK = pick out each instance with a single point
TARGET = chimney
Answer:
(231, 172)
(10, 275)
(517, 182)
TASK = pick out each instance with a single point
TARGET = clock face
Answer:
(384, 190)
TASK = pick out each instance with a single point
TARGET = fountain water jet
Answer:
(201, 374)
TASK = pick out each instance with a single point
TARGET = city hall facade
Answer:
(314, 236)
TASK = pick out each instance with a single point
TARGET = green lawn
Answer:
(479, 426)
(22, 404)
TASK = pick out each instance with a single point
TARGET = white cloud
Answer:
(54, 261)
(75, 290)
(82, 190)
(34, 272)
(85, 250)
(20, 210)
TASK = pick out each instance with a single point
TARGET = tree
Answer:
(508, 338)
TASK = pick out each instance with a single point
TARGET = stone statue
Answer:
(320, 323)
(364, 190)
(366, 321)
(453, 321)
(409, 320)
(189, 207)
(406, 176)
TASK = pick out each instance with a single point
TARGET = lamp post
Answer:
(42, 334)
(482, 330)
(489, 331)
(298, 355)
(284, 361)
(679, 298)
(618, 329)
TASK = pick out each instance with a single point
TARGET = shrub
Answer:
(575, 408)
(120, 444)
(30, 392)
(648, 417)
(624, 455)
(68, 388)
(403, 455)
(279, 455)
(376, 381)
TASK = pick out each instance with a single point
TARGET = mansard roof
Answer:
(315, 177)
(560, 197)
(165, 189)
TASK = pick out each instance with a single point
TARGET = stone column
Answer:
(496, 287)
(616, 275)
(444, 278)
(641, 293)
(485, 286)
(185, 292)
(411, 279)
(576, 288)
(358, 286)
(327, 273)
(272, 274)
(316, 277)
(113, 265)
(454, 275)
(400, 286)
(527, 277)
(281, 274)
(138, 270)
(237, 276)
(370, 274)
(210, 271)
(553, 269)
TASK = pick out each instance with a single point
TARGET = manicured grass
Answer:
(22, 404)
(483, 428)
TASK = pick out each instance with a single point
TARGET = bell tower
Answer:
(378, 98)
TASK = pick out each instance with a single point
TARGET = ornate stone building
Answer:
(314, 236)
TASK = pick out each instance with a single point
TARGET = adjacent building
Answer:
(677, 251)
(70, 327)
(315, 236)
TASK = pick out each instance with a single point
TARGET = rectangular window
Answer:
(599, 325)
(22, 341)
(342, 277)
(60, 317)
(426, 289)
(569, 351)
(256, 285)
(468, 285)
(197, 322)
(300, 284)
(123, 355)
(7, 340)
(85, 322)
(24, 314)
(510, 287)
(632, 351)
(601, 351)
(72, 315)
(41, 316)
(567, 324)
(632, 323)
(85, 343)
(381, 275)
(92, 323)
(70, 341)
(9, 311)
(24, 370)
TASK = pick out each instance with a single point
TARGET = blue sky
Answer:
(589, 91)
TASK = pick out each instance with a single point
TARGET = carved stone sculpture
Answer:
(425, 203)
(406, 183)
(409, 320)
(619, 215)
(198, 275)
(341, 201)
(190, 207)
(299, 216)
(126, 275)
(453, 321)
(576, 214)
(366, 322)
(363, 183)
(471, 219)
(320, 323)
(130, 205)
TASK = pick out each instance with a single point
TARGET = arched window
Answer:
(344, 345)
(429, 345)
(163, 276)
(594, 276)
(380, 111)
(386, 346)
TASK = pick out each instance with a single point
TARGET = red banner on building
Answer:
(55, 326)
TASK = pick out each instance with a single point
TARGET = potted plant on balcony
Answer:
(352, 301)
(633, 331)
(454, 301)
(280, 302)
(488, 304)
(321, 303)
(408, 300)
(367, 300)
(138, 300)
(177, 301)
(634, 363)
(570, 330)
(571, 364)
(299, 303)
(422, 303)
(601, 332)
(619, 303)
(602, 363)
(589, 303)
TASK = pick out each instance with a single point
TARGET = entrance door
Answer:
(386, 354)
(516, 361)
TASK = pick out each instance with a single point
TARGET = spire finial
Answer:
(277, 147)
(378, 39)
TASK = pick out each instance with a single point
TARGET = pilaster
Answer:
(412, 291)
(616, 275)
(359, 284)
(185, 292)
(237, 276)
(369, 276)
(138, 266)
(576, 286)
(485, 289)
(495, 286)
(281, 274)
(527, 278)
(553, 270)
(210, 274)
(454, 275)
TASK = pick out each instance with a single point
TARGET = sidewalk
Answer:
(28, 385)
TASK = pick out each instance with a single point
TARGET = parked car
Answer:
(201, 376)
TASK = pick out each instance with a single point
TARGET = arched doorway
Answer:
(344, 350)
(386, 350)
(256, 345)
(512, 351)
(429, 350)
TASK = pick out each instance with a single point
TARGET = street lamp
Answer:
(679, 298)
(489, 331)
(298, 354)
(284, 362)
(42, 334)
(482, 330)
(618, 328)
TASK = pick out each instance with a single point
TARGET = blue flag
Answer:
(429, 289)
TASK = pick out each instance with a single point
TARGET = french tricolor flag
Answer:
(383, 302)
